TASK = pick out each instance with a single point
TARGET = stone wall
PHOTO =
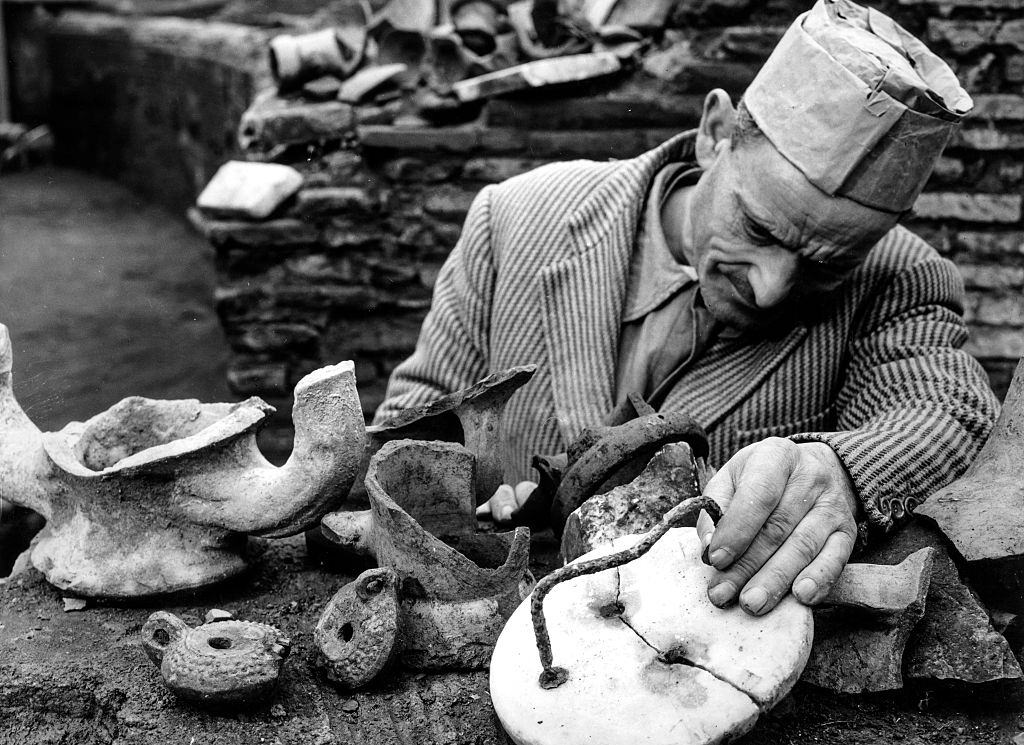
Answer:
(153, 102)
(346, 269)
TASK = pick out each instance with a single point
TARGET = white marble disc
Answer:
(731, 665)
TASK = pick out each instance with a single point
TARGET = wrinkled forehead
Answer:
(824, 228)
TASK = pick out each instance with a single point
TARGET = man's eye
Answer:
(758, 234)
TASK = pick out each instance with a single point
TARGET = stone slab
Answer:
(861, 629)
(955, 640)
(248, 190)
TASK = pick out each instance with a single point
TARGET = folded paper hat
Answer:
(858, 104)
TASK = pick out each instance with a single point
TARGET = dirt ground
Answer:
(105, 296)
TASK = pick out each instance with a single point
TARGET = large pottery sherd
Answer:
(434, 604)
(649, 659)
(152, 497)
(982, 513)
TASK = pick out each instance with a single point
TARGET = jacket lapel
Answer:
(726, 375)
(583, 293)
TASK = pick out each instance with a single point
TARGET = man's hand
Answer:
(789, 522)
(506, 501)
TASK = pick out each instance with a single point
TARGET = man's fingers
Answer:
(815, 582)
(764, 477)
(765, 573)
(506, 501)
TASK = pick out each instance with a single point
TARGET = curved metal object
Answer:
(680, 515)
(152, 497)
(453, 603)
(218, 663)
(615, 455)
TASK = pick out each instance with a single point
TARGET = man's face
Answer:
(766, 243)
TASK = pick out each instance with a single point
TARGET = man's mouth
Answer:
(737, 277)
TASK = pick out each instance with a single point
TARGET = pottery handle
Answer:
(162, 630)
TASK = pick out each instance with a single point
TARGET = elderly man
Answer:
(750, 272)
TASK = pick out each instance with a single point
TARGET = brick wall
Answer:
(346, 269)
(153, 102)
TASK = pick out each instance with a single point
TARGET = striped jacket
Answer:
(539, 276)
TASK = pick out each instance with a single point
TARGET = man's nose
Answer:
(774, 279)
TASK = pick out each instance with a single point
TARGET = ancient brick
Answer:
(998, 245)
(990, 208)
(1013, 68)
(342, 233)
(256, 378)
(1011, 34)
(995, 342)
(435, 139)
(962, 37)
(599, 145)
(625, 106)
(948, 170)
(272, 121)
(391, 333)
(995, 310)
(998, 106)
(334, 200)
(273, 337)
(988, 277)
(428, 171)
(989, 138)
(449, 203)
(494, 170)
(283, 232)
(680, 68)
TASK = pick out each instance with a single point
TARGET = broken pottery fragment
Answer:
(955, 641)
(451, 604)
(471, 417)
(369, 80)
(982, 512)
(649, 659)
(605, 457)
(337, 51)
(538, 74)
(669, 478)
(152, 497)
(222, 662)
(248, 190)
(861, 628)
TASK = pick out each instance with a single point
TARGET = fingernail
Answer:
(754, 599)
(805, 589)
(704, 541)
(722, 594)
(721, 558)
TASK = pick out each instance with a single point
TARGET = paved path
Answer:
(105, 296)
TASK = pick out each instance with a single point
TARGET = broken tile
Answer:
(862, 627)
(635, 507)
(955, 640)
(538, 74)
(249, 190)
(982, 513)
(358, 87)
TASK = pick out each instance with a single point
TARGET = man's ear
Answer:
(715, 129)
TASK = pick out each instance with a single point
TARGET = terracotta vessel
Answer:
(433, 604)
(151, 497)
(221, 662)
